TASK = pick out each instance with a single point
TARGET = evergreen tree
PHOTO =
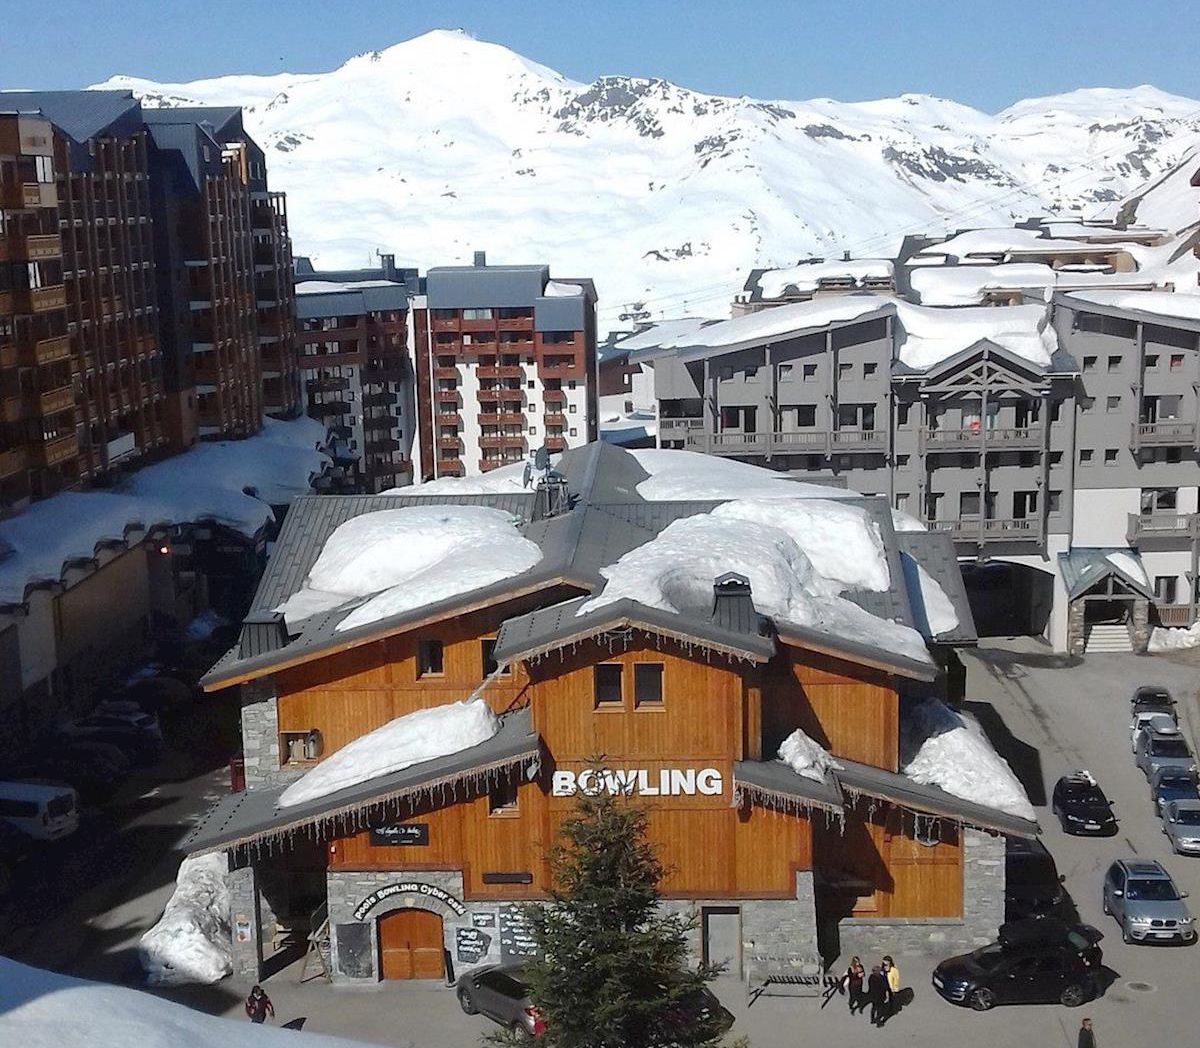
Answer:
(613, 970)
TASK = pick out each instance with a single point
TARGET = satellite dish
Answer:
(526, 475)
(541, 459)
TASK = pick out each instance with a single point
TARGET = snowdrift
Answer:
(192, 942)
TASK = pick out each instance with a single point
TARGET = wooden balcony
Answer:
(13, 461)
(1175, 615)
(327, 384)
(55, 400)
(447, 349)
(558, 396)
(19, 195)
(507, 440)
(379, 400)
(381, 443)
(981, 530)
(444, 323)
(447, 396)
(1172, 528)
(58, 450)
(556, 443)
(392, 371)
(35, 248)
(448, 418)
(554, 418)
(477, 326)
(39, 299)
(328, 409)
(505, 371)
(492, 396)
(516, 323)
(14, 409)
(450, 467)
(383, 422)
(451, 444)
(561, 371)
(1172, 433)
(505, 418)
(447, 374)
(51, 350)
(1026, 438)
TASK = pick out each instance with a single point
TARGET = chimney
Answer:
(387, 265)
(480, 259)
(551, 497)
(733, 605)
(262, 633)
(846, 256)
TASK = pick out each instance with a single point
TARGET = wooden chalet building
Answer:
(425, 864)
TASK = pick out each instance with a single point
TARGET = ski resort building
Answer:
(506, 362)
(358, 373)
(426, 680)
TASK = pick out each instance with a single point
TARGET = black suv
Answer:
(1081, 806)
(1041, 961)
(1033, 887)
(1151, 698)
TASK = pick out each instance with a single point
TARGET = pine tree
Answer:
(613, 970)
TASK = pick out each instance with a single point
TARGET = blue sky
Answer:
(986, 54)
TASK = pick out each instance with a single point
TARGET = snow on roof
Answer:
(203, 483)
(933, 610)
(946, 749)
(325, 287)
(666, 332)
(799, 556)
(966, 285)
(1003, 240)
(561, 289)
(505, 480)
(806, 757)
(780, 321)
(40, 1009)
(423, 735)
(691, 476)
(807, 276)
(401, 559)
(1129, 564)
(930, 335)
(1172, 304)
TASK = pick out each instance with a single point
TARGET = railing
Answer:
(488, 418)
(1028, 529)
(12, 461)
(328, 384)
(1175, 614)
(330, 407)
(809, 441)
(50, 350)
(556, 443)
(450, 373)
(39, 299)
(59, 449)
(55, 400)
(508, 440)
(554, 396)
(858, 440)
(1146, 526)
(504, 371)
(676, 428)
(1172, 433)
(1029, 437)
(554, 418)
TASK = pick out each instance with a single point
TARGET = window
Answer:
(1110, 456)
(606, 683)
(1164, 588)
(806, 415)
(902, 501)
(1086, 404)
(487, 652)
(477, 314)
(571, 409)
(647, 685)
(1112, 404)
(902, 461)
(968, 504)
(533, 431)
(1176, 361)
(296, 747)
(844, 370)
(1151, 360)
(429, 658)
(810, 372)
(573, 432)
(1056, 458)
(902, 412)
(785, 370)
(1089, 363)
(502, 797)
(1056, 502)
(749, 373)
(869, 370)
(44, 167)
(1114, 363)
(1085, 456)
(1055, 410)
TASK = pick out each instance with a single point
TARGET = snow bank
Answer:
(40, 1009)
(1163, 638)
(406, 558)
(773, 283)
(192, 942)
(1000, 241)
(690, 476)
(933, 610)
(507, 480)
(949, 750)
(930, 335)
(799, 556)
(806, 757)
(399, 744)
(205, 483)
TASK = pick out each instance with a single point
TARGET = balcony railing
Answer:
(1028, 529)
(1015, 438)
(1143, 527)
(27, 194)
(59, 449)
(55, 400)
(51, 350)
(858, 440)
(39, 299)
(1170, 433)
(504, 371)
(801, 442)
(676, 428)
(329, 384)
(1175, 615)
(12, 462)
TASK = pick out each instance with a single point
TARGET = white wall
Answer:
(1102, 515)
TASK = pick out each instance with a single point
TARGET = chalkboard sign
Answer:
(516, 936)
(410, 834)
(486, 919)
(471, 945)
(355, 958)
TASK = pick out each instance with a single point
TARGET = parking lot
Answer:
(1048, 715)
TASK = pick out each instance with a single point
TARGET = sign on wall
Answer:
(666, 782)
(388, 891)
(355, 956)
(407, 834)
(471, 945)
(516, 936)
(483, 920)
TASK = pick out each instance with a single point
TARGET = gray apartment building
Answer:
(1057, 444)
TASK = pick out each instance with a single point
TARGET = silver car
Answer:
(1149, 722)
(1146, 904)
(1181, 824)
(1162, 749)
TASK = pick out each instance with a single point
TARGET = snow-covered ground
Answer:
(234, 483)
(192, 941)
(942, 748)
(677, 194)
(40, 1009)
(806, 757)
(412, 739)
(400, 559)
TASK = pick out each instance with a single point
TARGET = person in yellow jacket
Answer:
(893, 979)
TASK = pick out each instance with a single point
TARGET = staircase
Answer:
(1107, 637)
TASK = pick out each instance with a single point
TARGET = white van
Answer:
(43, 811)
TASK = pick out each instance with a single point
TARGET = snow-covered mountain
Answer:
(445, 144)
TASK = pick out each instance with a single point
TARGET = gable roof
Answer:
(80, 114)
(1082, 567)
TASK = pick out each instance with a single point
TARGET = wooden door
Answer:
(410, 945)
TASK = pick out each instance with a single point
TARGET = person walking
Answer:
(853, 980)
(259, 1006)
(1087, 1037)
(880, 996)
(893, 980)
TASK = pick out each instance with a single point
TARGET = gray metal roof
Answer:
(81, 114)
(351, 301)
(254, 817)
(479, 287)
(775, 782)
(1142, 316)
(934, 551)
(219, 118)
(1084, 566)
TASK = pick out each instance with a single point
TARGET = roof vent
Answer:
(480, 258)
(551, 497)
(262, 633)
(733, 605)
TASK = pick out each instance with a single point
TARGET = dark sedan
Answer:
(1081, 806)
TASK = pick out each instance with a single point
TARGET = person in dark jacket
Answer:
(880, 996)
(853, 981)
(259, 1006)
(1087, 1038)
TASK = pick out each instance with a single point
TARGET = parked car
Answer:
(1181, 824)
(1081, 806)
(1152, 698)
(42, 811)
(1033, 887)
(701, 1009)
(1149, 721)
(123, 716)
(1040, 961)
(1172, 784)
(1143, 899)
(1163, 749)
(138, 746)
(500, 993)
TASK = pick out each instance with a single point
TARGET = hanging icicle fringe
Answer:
(625, 634)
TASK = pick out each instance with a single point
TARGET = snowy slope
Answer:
(443, 144)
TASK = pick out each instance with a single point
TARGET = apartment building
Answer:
(1056, 446)
(506, 363)
(357, 371)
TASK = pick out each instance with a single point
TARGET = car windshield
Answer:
(1151, 891)
(1152, 695)
(1188, 818)
(1176, 782)
(989, 957)
(1031, 873)
(1169, 748)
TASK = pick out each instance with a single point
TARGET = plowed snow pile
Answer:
(191, 943)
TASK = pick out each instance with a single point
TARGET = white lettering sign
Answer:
(667, 782)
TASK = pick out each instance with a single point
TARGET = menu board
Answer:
(471, 945)
(410, 834)
(516, 935)
(354, 954)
